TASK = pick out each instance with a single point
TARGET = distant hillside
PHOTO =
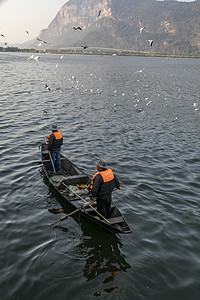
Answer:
(173, 26)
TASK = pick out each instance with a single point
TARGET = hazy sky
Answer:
(16, 16)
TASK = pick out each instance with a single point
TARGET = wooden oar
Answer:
(50, 157)
(52, 161)
(70, 214)
(63, 218)
(86, 202)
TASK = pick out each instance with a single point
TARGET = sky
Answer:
(17, 16)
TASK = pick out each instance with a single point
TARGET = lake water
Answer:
(142, 116)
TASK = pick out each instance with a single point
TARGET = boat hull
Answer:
(72, 175)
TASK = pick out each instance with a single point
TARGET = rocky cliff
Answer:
(173, 26)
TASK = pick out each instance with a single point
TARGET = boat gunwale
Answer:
(102, 223)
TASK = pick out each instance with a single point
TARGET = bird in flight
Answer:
(47, 87)
(26, 31)
(34, 57)
(84, 47)
(76, 28)
(150, 42)
(140, 71)
(42, 41)
(31, 57)
(2, 35)
(141, 29)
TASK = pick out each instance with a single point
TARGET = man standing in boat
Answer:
(103, 183)
(54, 143)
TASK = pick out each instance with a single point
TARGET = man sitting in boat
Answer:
(54, 143)
(103, 183)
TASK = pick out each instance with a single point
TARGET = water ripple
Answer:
(146, 126)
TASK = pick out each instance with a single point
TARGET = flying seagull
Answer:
(36, 59)
(142, 29)
(84, 47)
(140, 71)
(26, 31)
(2, 35)
(76, 27)
(150, 42)
(47, 87)
(42, 41)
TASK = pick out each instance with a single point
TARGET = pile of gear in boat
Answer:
(80, 189)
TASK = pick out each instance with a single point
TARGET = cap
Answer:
(54, 127)
(102, 164)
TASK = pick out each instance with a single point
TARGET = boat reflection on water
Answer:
(103, 257)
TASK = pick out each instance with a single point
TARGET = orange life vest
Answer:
(107, 176)
(57, 134)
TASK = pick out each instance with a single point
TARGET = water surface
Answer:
(142, 116)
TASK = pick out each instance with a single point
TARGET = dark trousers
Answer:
(55, 154)
(104, 206)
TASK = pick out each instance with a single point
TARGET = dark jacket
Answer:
(101, 189)
(55, 143)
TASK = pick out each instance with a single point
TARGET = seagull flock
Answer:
(150, 42)
(36, 58)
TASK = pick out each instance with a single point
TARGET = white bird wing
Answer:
(31, 57)
(36, 58)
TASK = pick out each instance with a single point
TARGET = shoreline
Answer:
(97, 51)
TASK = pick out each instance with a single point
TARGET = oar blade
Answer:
(56, 210)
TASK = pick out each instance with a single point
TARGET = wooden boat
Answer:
(71, 175)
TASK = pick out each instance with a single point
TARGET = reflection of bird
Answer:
(76, 28)
(142, 29)
(2, 35)
(26, 31)
(84, 47)
(150, 42)
(42, 41)
(99, 13)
